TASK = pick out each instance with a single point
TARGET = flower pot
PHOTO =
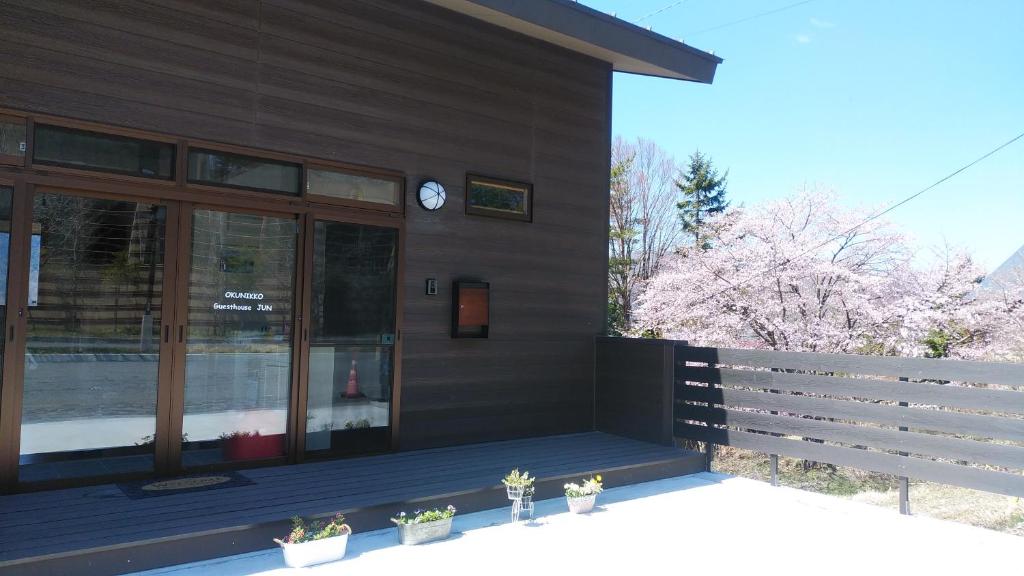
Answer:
(581, 504)
(527, 505)
(412, 534)
(515, 492)
(315, 552)
(253, 447)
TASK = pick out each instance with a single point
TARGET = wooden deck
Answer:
(99, 530)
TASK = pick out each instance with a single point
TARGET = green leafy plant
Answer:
(316, 529)
(591, 486)
(240, 434)
(514, 479)
(423, 516)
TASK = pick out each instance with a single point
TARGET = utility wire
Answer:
(659, 11)
(748, 18)
(872, 217)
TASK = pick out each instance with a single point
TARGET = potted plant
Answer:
(581, 498)
(424, 525)
(519, 488)
(315, 543)
(516, 484)
(251, 445)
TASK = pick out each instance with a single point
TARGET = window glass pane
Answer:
(351, 340)
(238, 171)
(92, 350)
(61, 146)
(238, 353)
(5, 244)
(334, 184)
(12, 137)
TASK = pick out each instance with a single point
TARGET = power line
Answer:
(659, 11)
(748, 18)
(872, 217)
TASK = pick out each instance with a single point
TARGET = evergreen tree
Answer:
(703, 194)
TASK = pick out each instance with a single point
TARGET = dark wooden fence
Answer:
(953, 422)
(633, 388)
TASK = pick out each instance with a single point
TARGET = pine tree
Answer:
(703, 194)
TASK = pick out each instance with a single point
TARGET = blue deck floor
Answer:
(107, 532)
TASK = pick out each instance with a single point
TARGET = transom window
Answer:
(87, 150)
(217, 168)
(336, 184)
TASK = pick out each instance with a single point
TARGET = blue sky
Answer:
(876, 99)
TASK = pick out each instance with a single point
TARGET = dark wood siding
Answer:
(400, 85)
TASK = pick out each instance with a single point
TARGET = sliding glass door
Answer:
(161, 336)
(238, 341)
(351, 337)
(92, 351)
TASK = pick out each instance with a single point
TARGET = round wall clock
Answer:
(431, 195)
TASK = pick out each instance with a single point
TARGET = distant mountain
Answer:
(1009, 274)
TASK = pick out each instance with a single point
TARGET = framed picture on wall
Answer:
(499, 198)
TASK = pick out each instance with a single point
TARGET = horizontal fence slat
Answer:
(918, 393)
(965, 476)
(913, 442)
(918, 418)
(1004, 373)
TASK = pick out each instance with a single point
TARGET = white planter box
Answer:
(315, 552)
(581, 504)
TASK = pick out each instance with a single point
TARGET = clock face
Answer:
(431, 195)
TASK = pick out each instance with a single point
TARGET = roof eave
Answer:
(629, 48)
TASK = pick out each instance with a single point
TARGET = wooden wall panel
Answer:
(402, 85)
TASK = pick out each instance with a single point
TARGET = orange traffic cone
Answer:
(352, 391)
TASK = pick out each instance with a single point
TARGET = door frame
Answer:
(179, 197)
(332, 213)
(17, 326)
(11, 385)
(179, 337)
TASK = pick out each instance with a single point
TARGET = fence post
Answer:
(904, 481)
(774, 465)
(709, 454)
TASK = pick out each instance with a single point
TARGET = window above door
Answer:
(59, 147)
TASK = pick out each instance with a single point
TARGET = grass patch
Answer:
(992, 511)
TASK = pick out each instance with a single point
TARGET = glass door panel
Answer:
(238, 350)
(352, 337)
(6, 198)
(92, 349)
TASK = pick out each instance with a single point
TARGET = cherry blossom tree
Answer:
(805, 273)
(1005, 339)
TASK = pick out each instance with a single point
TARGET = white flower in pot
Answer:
(315, 543)
(581, 498)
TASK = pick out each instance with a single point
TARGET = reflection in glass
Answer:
(5, 245)
(351, 337)
(237, 171)
(72, 148)
(92, 349)
(335, 184)
(238, 352)
(12, 137)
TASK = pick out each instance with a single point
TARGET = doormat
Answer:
(150, 488)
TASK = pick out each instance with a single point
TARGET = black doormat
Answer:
(185, 484)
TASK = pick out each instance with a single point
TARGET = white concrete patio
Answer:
(699, 524)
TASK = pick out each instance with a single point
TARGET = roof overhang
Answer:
(629, 48)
